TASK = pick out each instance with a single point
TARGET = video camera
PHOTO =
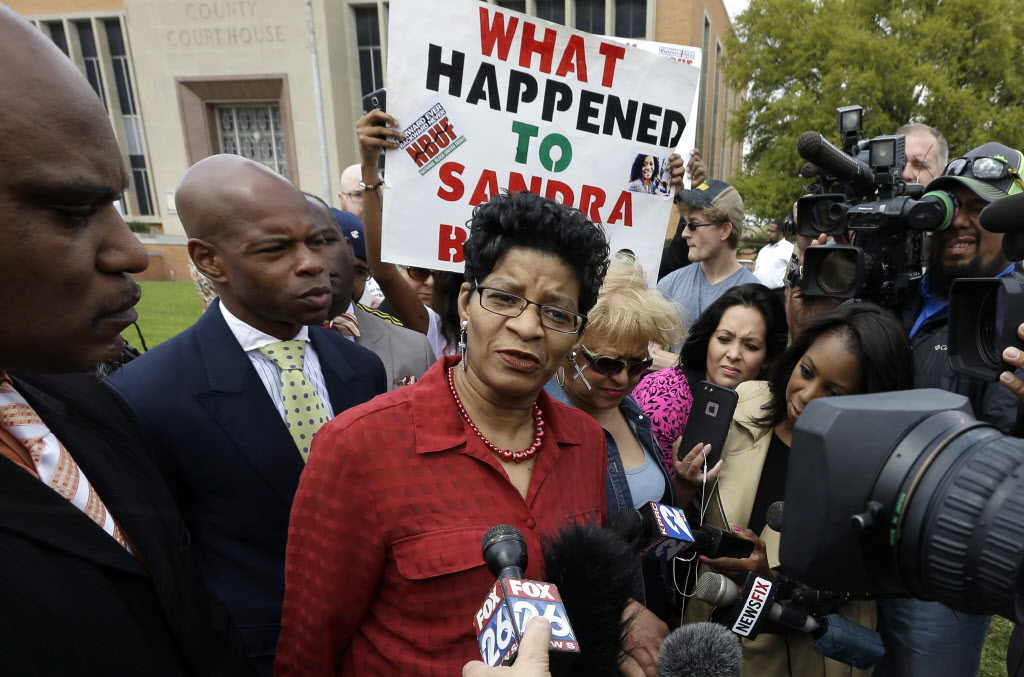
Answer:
(925, 501)
(984, 313)
(859, 192)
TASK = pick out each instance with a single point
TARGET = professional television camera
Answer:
(906, 493)
(984, 313)
(859, 192)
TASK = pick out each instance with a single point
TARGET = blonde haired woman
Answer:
(597, 377)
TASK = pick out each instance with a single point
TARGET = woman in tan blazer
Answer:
(855, 349)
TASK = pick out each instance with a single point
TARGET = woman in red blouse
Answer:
(384, 572)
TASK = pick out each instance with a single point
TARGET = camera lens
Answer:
(991, 322)
(959, 535)
(837, 273)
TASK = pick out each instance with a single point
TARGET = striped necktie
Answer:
(53, 463)
(304, 411)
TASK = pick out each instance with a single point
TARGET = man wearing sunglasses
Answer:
(927, 638)
(711, 223)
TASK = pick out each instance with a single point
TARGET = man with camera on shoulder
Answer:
(927, 638)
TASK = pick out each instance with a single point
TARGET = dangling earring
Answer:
(560, 377)
(462, 344)
(579, 371)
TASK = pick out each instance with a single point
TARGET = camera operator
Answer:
(927, 153)
(927, 638)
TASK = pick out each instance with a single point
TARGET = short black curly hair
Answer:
(525, 219)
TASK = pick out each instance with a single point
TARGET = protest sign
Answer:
(688, 55)
(490, 99)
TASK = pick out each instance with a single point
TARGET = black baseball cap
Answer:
(990, 171)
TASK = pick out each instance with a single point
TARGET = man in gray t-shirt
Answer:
(712, 215)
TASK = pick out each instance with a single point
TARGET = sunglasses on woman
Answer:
(418, 274)
(609, 366)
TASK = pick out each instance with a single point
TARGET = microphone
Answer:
(835, 636)
(513, 601)
(1005, 215)
(700, 650)
(815, 148)
(595, 574)
(665, 531)
(774, 516)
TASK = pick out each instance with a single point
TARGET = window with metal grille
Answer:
(253, 131)
(59, 37)
(590, 16)
(551, 10)
(87, 41)
(631, 18)
(514, 5)
(371, 73)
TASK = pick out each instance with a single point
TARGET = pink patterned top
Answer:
(665, 397)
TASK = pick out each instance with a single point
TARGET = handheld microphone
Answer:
(700, 650)
(513, 601)
(665, 532)
(836, 637)
(774, 516)
(595, 571)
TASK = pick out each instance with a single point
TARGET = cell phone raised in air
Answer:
(710, 416)
(377, 100)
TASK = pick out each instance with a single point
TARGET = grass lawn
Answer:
(166, 309)
(993, 656)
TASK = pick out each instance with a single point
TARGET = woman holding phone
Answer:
(857, 348)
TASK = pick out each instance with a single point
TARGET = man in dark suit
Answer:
(230, 410)
(406, 354)
(97, 575)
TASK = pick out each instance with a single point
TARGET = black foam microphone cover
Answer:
(774, 516)
(700, 650)
(592, 568)
(1005, 215)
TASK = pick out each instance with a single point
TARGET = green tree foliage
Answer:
(957, 65)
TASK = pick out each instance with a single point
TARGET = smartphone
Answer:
(710, 416)
(376, 100)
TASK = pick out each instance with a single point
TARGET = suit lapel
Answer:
(369, 330)
(338, 375)
(36, 511)
(239, 403)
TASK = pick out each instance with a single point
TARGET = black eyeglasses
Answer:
(355, 195)
(360, 272)
(501, 302)
(609, 366)
(692, 226)
(418, 274)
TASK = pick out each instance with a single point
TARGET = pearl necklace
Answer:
(505, 454)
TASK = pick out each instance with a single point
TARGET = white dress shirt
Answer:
(252, 339)
(772, 262)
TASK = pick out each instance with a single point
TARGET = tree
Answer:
(957, 65)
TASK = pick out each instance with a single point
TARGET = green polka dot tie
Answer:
(304, 411)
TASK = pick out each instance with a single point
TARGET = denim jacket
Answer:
(617, 485)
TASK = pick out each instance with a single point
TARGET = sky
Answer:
(734, 7)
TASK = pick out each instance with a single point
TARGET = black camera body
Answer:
(860, 193)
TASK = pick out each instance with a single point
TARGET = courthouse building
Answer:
(282, 81)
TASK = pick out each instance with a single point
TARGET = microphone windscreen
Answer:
(593, 569)
(774, 517)
(629, 524)
(700, 650)
(1005, 215)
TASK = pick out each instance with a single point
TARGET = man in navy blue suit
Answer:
(231, 404)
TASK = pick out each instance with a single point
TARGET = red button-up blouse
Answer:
(384, 570)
